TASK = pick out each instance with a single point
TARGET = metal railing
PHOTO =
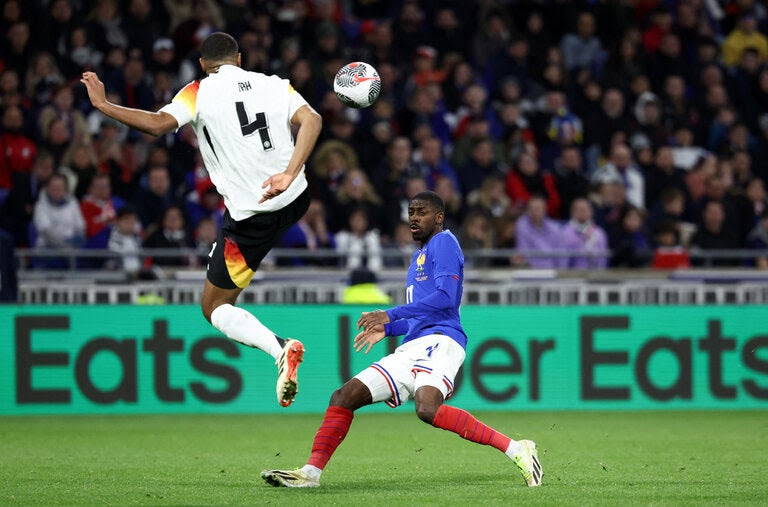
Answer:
(311, 283)
(74, 259)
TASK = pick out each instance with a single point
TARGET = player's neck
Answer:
(423, 243)
(213, 69)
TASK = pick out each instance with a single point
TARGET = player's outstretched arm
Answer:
(309, 123)
(152, 123)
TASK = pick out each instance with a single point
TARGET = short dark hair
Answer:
(434, 200)
(218, 46)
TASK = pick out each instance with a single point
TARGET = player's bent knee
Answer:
(207, 311)
(352, 395)
(426, 412)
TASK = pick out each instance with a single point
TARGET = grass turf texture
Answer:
(669, 458)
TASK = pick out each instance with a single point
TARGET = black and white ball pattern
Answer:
(357, 84)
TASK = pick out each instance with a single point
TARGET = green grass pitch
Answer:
(594, 458)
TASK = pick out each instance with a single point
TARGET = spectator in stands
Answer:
(571, 180)
(758, 201)
(17, 48)
(758, 240)
(476, 234)
(57, 218)
(79, 164)
(152, 201)
(62, 108)
(103, 24)
(510, 69)
(477, 129)
(629, 242)
(582, 50)
(402, 242)
(56, 140)
(355, 192)
(431, 164)
(670, 208)
(330, 162)
(124, 239)
(661, 175)
(58, 22)
(311, 233)
(482, 163)
(622, 168)
(454, 206)
(208, 205)
(359, 244)
(16, 211)
(540, 235)
(581, 234)
(526, 179)
(18, 151)
(669, 253)
(490, 199)
(712, 234)
(600, 127)
(99, 210)
(170, 235)
(745, 35)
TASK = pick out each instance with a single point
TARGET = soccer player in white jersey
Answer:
(243, 123)
(424, 366)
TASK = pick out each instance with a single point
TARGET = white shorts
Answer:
(431, 360)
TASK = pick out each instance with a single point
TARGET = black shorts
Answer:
(241, 246)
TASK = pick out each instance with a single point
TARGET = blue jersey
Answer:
(433, 291)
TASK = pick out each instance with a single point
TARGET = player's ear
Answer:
(439, 217)
(202, 63)
(239, 60)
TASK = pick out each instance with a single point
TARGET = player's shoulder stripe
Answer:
(187, 96)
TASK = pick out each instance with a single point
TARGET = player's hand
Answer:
(277, 184)
(369, 319)
(95, 89)
(370, 337)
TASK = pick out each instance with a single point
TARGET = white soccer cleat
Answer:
(527, 460)
(289, 479)
(287, 366)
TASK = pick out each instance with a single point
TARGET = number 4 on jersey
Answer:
(258, 125)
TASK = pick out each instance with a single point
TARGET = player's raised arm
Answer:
(146, 121)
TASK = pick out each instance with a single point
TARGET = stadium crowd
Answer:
(638, 127)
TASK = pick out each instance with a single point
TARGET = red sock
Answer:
(329, 435)
(466, 426)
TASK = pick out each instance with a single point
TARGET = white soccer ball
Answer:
(357, 84)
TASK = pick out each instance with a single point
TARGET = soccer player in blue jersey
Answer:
(424, 366)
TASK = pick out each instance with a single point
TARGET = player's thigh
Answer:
(389, 379)
(438, 369)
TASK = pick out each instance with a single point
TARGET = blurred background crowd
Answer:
(629, 132)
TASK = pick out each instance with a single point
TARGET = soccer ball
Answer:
(357, 84)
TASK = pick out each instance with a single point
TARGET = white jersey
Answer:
(242, 122)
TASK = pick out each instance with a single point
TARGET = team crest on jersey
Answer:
(420, 260)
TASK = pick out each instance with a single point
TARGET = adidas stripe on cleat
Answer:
(287, 367)
(528, 462)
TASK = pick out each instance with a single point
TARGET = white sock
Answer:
(312, 471)
(514, 448)
(243, 327)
